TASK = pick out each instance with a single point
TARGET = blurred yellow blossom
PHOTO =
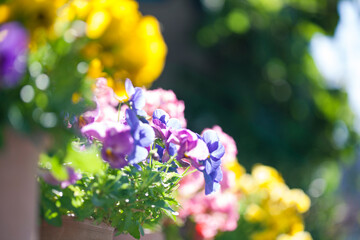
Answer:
(297, 236)
(270, 202)
(236, 168)
(36, 15)
(254, 213)
(4, 13)
(128, 44)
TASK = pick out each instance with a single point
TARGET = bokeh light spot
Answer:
(27, 93)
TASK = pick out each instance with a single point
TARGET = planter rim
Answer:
(84, 223)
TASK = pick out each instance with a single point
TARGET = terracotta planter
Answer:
(87, 230)
(147, 236)
(18, 186)
(75, 230)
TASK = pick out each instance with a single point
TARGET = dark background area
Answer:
(246, 67)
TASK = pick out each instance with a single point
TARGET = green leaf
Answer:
(87, 161)
(134, 231)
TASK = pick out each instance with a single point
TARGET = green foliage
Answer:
(126, 199)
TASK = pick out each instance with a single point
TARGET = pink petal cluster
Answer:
(213, 213)
(105, 98)
(218, 211)
(106, 104)
(167, 101)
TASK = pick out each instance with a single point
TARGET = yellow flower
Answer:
(248, 185)
(236, 168)
(297, 236)
(35, 13)
(266, 176)
(254, 213)
(127, 44)
(4, 13)
(299, 199)
(95, 69)
(278, 208)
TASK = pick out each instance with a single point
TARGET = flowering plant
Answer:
(141, 154)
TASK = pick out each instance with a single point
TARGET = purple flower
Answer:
(117, 140)
(136, 98)
(116, 146)
(164, 127)
(143, 135)
(191, 147)
(72, 178)
(13, 52)
(212, 172)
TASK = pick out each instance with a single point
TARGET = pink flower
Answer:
(167, 101)
(213, 213)
(106, 105)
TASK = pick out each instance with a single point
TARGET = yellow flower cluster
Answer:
(271, 203)
(36, 15)
(125, 43)
(120, 41)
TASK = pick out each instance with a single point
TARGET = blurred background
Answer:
(282, 77)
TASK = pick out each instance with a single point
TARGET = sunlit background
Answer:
(282, 78)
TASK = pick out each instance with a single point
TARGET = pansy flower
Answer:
(212, 172)
(143, 135)
(191, 148)
(136, 98)
(116, 138)
(163, 127)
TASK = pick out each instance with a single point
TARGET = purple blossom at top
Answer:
(143, 135)
(212, 172)
(13, 51)
(136, 98)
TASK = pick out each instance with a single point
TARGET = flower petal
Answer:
(129, 88)
(132, 119)
(138, 99)
(174, 123)
(145, 135)
(139, 154)
(161, 115)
